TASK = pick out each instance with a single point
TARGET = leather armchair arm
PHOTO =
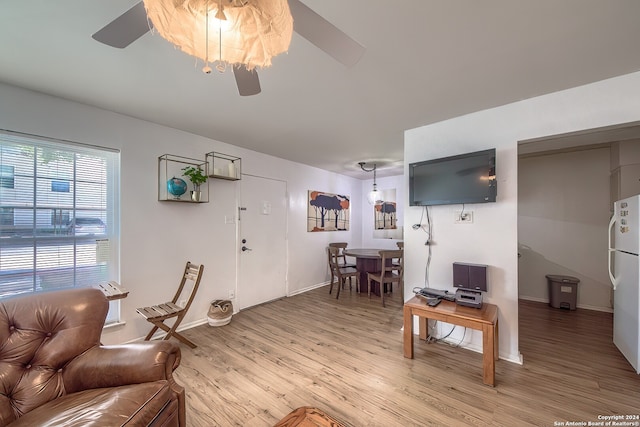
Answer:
(116, 365)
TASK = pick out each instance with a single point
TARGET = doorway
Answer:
(262, 241)
(566, 188)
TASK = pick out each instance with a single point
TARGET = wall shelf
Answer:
(171, 167)
(224, 166)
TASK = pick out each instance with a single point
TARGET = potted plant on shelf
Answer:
(197, 178)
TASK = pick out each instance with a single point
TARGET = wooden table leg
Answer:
(496, 341)
(408, 332)
(488, 355)
(423, 327)
(364, 266)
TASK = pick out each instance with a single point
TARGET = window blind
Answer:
(58, 215)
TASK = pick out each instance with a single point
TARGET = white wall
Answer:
(563, 215)
(625, 170)
(493, 237)
(157, 238)
(386, 183)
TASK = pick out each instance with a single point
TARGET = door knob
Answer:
(244, 248)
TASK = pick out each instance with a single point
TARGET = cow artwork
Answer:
(385, 216)
(327, 212)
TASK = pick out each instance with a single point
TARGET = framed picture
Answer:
(384, 214)
(385, 217)
(327, 212)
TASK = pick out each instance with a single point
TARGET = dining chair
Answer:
(157, 314)
(342, 258)
(400, 246)
(392, 271)
(342, 273)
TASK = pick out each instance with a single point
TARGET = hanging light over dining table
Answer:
(248, 32)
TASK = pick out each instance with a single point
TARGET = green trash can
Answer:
(563, 291)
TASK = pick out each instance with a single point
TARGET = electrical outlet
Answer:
(463, 217)
(232, 294)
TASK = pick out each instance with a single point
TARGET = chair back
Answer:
(192, 274)
(40, 334)
(334, 255)
(341, 246)
(392, 261)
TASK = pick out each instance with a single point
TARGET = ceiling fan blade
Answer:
(324, 34)
(125, 29)
(247, 81)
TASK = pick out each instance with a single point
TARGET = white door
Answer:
(262, 241)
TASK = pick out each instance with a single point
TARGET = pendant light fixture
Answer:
(375, 195)
(237, 32)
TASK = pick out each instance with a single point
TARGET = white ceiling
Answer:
(425, 61)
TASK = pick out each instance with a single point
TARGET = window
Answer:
(6, 217)
(58, 220)
(6, 176)
(60, 186)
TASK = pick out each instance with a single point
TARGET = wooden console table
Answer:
(484, 319)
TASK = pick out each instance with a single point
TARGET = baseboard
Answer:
(595, 308)
(309, 288)
(162, 334)
(534, 299)
(582, 306)
(517, 359)
(204, 320)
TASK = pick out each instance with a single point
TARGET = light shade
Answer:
(375, 196)
(253, 33)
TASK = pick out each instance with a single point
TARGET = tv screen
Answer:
(465, 178)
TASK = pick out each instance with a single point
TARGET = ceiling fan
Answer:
(133, 24)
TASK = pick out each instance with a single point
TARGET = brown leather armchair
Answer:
(54, 371)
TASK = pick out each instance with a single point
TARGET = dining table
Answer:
(367, 260)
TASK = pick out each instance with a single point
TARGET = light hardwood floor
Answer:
(345, 357)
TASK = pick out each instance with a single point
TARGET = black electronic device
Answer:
(470, 281)
(436, 293)
(434, 302)
(470, 276)
(465, 178)
(469, 298)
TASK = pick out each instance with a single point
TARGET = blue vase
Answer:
(176, 187)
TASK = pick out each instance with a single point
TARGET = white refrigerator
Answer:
(624, 272)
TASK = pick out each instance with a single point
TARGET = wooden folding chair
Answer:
(157, 314)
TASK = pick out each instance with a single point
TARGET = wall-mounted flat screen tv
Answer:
(465, 178)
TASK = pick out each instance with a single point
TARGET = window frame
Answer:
(95, 253)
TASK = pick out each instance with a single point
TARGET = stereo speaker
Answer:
(470, 276)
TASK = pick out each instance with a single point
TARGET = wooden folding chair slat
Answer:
(157, 314)
(147, 312)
